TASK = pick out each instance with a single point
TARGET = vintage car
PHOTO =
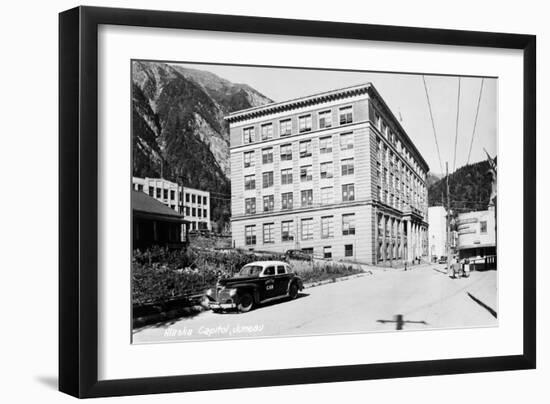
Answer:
(256, 283)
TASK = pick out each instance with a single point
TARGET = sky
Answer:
(406, 96)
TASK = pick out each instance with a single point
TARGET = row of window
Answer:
(345, 116)
(194, 212)
(163, 193)
(288, 232)
(347, 168)
(306, 199)
(305, 149)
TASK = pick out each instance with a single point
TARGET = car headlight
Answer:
(209, 292)
(232, 292)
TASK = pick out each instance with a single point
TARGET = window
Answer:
(193, 198)
(286, 152)
(377, 120)
(304, 123)
(269, 233)
(187, 196)
(204, 200)
(267, 156)
(158, 192)
(305, 148)
(325, 119)
(269, 203)
(327, 252)
(285, 127)
(325, 145)
(204, 213)
(348, 192)
(248, 159)
(287, 230)
(250, 234)
(250, 182)
(194, 212)
(306, 173)
(281, 270)
(248, 135)
(308, 251)
(199, 211)
(346, 141)
(326, 170)
(348, 250)
(348, 224)
(267, 179)
(287, 200)
(249, 206)
(267, 131)
(286, 176)
(346, 115)
(347, 167)
(187, 211)
(307, 229)
(327, 227)
(172, 194)
(151, 191)
(483, 227)
(307, 198)
(327, 196)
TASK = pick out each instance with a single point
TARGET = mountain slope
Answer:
(469, 188)
(178, 127)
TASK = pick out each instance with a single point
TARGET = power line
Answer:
(475, 120)
(457, 117)
(433, 124)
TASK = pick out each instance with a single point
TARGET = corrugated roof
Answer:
(144, 203)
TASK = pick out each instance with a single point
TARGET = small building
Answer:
(193, 204)
(437, 231)
(153, 223)
(477, 237)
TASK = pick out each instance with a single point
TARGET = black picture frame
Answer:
(78, 196)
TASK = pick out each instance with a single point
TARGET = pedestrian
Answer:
(466, 267)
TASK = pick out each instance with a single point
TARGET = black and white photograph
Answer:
(280, 201)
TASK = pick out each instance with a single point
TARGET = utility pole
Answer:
(447, 219)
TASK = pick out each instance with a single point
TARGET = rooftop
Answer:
(298, 102)
(141, 202)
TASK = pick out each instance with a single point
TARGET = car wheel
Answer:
(245, 303)
(293, 291)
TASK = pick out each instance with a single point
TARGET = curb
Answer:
(334, 280)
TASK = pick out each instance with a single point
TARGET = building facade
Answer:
(333, 174)
(193, 204)
(476, 234)
(437, 232)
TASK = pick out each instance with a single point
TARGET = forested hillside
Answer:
(469, 188)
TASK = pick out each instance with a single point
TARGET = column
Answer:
(402, 231)
(409, 240)
(376, 235)
(383, 218)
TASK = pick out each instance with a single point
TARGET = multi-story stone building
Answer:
(333, 173)
(193, 204)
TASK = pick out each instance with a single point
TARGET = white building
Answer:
(194, 204)
(476, 234)
(437, 230)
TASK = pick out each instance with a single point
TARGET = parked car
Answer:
(256, 283)
(443, 259)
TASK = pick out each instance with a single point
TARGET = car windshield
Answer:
(249, 270)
